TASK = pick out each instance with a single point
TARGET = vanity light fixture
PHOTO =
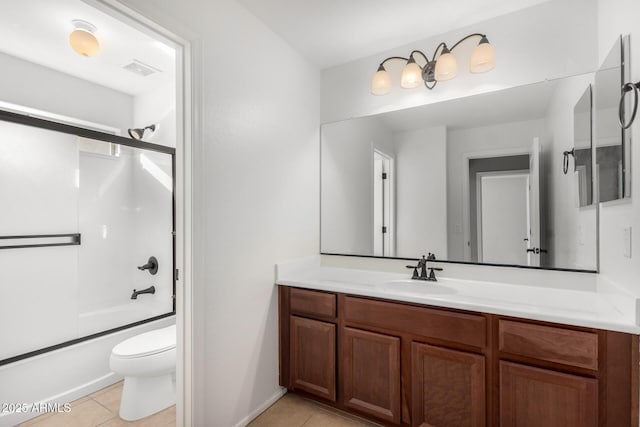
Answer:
(82, 39)
(444, 67)
(138, 133)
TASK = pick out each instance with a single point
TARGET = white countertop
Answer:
(603, 308)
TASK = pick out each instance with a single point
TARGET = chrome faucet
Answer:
(422, 265)
(149, 290)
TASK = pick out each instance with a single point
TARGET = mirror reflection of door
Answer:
(503, 217)
(382, 205)
(515, 213)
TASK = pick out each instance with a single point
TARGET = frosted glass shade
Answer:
(411, 75)
(381, 82)
(83, 42)
(446, 67)
(483, 58)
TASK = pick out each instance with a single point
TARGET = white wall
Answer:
(59, 93)
(524, 54)
(124, 215)
(347, 183)
(151, 218)
(105, 219)
(421, 198)
(256, 195)
(502, 139)
(158, 107)
(620, 17)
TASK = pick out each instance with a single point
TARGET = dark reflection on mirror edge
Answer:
(528, 267)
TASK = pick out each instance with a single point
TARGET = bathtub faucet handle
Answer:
(151, 265)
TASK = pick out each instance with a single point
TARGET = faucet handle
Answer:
(415, 270)
(432, 275)
(151, 265)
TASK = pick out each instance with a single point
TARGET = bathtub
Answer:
(102, 319)
(66, 374)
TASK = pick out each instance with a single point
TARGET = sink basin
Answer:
(417, 287)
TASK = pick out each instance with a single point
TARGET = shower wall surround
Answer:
(118, 198)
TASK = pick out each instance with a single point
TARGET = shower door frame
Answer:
(12, 117)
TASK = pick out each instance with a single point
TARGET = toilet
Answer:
(148, 364)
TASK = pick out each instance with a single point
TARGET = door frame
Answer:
(188, 146)
(389, 197)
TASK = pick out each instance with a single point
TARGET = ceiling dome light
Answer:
(381, 82)
(446, 65)
(483, 58)
(411, 75)
(82, 38)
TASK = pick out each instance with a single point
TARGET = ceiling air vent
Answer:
(141, 68)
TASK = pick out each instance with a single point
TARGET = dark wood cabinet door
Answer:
(371, 373)
(534, 397)
(313, 357)
(448, 387)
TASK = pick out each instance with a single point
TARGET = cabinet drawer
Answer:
(542, 397)
(313, 303)
(549, 343)
(461, 328)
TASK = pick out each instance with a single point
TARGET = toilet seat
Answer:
(148, 363)
(147, 344)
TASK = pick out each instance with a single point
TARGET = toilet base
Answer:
(144, 396)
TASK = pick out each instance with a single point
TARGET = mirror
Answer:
(612, 142)
(476, 179)
(582, 148)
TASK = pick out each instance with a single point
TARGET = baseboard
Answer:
(260, 409)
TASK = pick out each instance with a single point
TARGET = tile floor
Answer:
(294, 411)
(101, 409)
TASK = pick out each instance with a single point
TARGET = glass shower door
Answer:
(78, 217)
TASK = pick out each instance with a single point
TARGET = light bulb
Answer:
(381, 82)
(446, 66)
(411, 75)
(483, 58)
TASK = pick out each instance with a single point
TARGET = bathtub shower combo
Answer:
(87, 259)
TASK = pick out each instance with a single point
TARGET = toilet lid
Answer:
(147, 343)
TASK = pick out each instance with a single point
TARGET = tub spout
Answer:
(149, 290)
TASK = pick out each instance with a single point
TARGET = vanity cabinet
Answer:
(313, 357)
(371, 373)
(531, 397)
(310, 338)
(407, 364)
(448, 387)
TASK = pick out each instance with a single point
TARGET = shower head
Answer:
(138, 133)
